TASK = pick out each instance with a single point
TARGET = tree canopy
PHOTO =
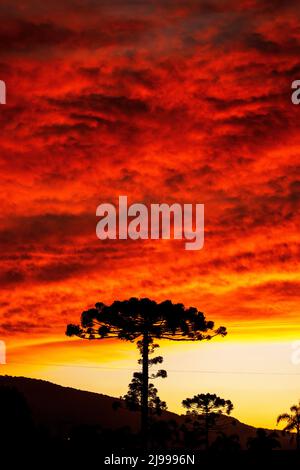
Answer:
(130, 319)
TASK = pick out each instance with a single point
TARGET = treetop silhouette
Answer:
(143, 320)
(130, 319)
(207, 407)
(292, 422)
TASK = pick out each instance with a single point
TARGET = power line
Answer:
(193, 371)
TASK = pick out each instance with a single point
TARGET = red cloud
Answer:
(163, 102)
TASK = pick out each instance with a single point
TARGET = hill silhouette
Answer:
(59, 409)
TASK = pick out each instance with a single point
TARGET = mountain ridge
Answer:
(60, 408)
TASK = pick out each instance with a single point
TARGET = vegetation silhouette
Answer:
(293, 422)
(143, 320)
(97, 437)
(165, 434)
(133, 398)
(226, 443)
(16, 420)
(45, 422)
(203, 412)
(263, 441)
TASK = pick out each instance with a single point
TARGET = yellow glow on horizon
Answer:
(257, 376)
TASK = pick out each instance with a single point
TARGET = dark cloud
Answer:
(23, 36)
(261, 44)
(45, 229)
(112, 105)
(11, 277)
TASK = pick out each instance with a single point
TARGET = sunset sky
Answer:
(162, 101)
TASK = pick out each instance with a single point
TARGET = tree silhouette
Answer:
(16, 420)
(164, 433)
(133, 398)
(225, 443)
(263, 442)
(293, 422)
(144, 319)
(206, 408)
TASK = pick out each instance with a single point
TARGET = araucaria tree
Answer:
(292, 421)
(143, 320)
(205, 408)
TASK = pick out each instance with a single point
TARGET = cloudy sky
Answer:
(163, 101)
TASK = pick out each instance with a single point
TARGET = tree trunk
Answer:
(145, 390)
(206, 432)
